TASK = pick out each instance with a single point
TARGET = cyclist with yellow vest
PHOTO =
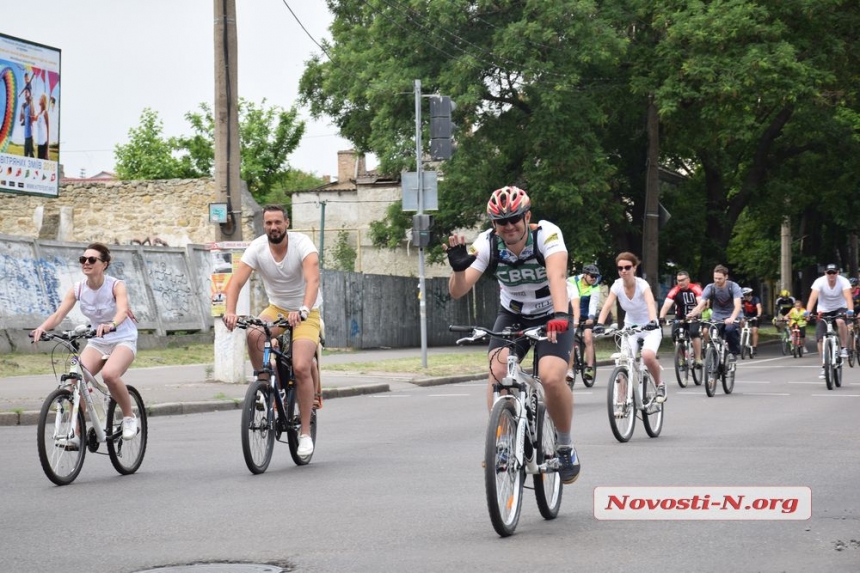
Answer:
(588, 286)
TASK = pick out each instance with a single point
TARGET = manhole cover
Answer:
(219, 568)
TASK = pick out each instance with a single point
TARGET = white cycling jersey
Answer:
(524, 286)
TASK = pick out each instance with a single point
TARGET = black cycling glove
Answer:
(459, 258)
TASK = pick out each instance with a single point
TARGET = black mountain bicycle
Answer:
(271, 407)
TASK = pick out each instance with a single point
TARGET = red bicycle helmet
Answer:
(507, 202)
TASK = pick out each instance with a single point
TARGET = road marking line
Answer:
(445, 395)
(764, 394)
(836, 395)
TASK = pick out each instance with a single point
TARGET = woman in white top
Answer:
(635, 297)
(104, 301)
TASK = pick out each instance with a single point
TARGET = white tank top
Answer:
(99, 306)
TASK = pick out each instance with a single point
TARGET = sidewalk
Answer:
(173, 390)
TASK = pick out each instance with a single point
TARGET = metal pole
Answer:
(422, 304)
(322, 241)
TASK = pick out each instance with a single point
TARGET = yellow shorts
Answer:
(309, 329)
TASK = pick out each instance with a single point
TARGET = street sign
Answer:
(409, 184)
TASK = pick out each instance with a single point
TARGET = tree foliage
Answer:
(267, 136)
(757, 102)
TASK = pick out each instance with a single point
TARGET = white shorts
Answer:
(652, 339)
(106, 348)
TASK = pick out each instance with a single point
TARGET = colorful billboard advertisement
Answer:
(30, 106)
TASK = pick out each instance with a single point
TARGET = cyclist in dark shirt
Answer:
(783, 306)
(684, 297)
(752, 310)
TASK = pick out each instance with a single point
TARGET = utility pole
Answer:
(227, 158)
(422, 302)
(785, 255)
(650, 233)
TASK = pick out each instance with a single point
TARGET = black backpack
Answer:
(494, 252)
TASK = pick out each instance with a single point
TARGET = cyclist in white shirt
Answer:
(530, 263)
(640, 309)
(831, 293)
(288, 263)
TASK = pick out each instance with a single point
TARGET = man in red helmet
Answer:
(530, 263)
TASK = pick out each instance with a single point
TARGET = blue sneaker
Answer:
(568, 464)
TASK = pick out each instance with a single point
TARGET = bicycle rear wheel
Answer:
(295, 427)
(711, 371)
(745, 344)
(61, 458)
(503, 475)
(548, 488)
(682, 369)
(619, 402)
(851, 352)
(258, 433)
(652, 416)
(126, 455)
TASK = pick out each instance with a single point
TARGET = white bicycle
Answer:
(64, 438)
(521, 437)
(631, 391)
(747, 348)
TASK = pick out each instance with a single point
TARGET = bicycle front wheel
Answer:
(745, 345)
(851, 352)
(786, 345)
(682, 370)
(652, 416)
(712, 371)
(547, 485)
(698, 375)
(619, 401)
(126, 455)
(503, 475)
(61, 439)
(828, 363)
(258, 434)
(729, 378)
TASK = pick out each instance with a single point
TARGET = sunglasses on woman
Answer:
(90, 260)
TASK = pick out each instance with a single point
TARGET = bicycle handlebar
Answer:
(82, 331)
(249, 321)
(536, 333)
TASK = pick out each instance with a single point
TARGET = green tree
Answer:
(267, 136)
(752, 98)
(148, 155)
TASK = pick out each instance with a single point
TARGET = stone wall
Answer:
(165, 212)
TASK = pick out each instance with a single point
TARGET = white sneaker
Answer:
(129, 427)
(844, 353)
(306, 446)
(821, 375)
(69, 444)
(569, 376)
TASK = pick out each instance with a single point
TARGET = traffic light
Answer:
(422, 230)
(441, 128)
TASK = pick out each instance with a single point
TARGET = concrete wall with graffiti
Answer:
(169, 291)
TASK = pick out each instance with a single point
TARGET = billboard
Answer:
(30, 106)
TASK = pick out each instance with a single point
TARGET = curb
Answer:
(31, 418)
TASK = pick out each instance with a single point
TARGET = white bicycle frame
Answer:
(531, 390)
(831, 335)
(632, 359)
(80, 380)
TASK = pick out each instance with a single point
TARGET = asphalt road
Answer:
(396, 484)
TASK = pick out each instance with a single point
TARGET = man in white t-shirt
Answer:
(832, 293)
(288, 263)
